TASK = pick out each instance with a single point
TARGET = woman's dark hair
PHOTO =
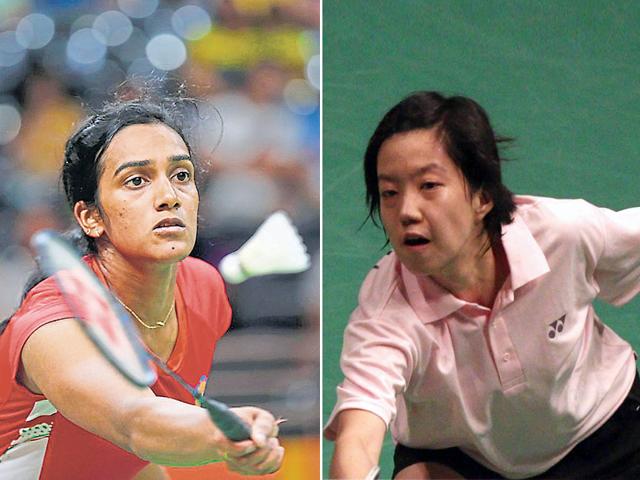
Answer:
(83, 151)
(466, 134)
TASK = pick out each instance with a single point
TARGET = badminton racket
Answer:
(111, 328)
(374, 473)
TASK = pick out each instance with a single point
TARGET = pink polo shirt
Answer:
(516, 387)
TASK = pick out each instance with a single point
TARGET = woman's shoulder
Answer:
(194, 269)
(203, 294)
(555, 211)
(571, 222)
(201, 279)
(42, 305)
(379, 285)
(44, 302)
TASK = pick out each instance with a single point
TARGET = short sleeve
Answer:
(617, 270)
(377, 361)
(381, 349)
(42, 305)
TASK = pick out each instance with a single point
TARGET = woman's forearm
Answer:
(169, 432)
(352, 459)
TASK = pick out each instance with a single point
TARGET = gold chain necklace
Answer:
(159, 324)
(135, 315)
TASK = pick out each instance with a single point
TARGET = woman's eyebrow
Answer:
(428, 168)
(135, 163)
(144, 163)
(178, 158)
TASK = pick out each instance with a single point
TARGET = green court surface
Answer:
(561, 77)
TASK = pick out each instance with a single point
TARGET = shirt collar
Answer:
(526, 260)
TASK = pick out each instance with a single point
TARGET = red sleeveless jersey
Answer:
(38, 442)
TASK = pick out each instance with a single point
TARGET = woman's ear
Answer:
(482, 204)
(89, 219)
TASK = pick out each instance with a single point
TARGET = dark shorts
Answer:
(611, 452)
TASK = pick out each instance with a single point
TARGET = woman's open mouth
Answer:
(415, 241)
(169, 225)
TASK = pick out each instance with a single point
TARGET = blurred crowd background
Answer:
(254, 67)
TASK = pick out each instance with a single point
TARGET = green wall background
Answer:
(562, 77)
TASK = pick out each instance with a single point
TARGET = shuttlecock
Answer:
(275, 247)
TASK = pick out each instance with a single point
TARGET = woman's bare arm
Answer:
(359, 437)
(152, 472)
(60, 362)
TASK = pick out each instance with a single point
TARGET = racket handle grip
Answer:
(233, 427)
(374, 473)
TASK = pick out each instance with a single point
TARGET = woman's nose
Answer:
(409, 211)
(166, 197)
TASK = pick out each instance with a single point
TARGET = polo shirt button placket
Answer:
(507, 364)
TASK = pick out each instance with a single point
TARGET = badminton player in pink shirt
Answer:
(475, 340)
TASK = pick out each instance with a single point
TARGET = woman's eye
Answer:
(429, 185)
(183, 176)
(135, 181)
(387, 193)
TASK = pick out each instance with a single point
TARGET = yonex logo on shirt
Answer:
(556, 326)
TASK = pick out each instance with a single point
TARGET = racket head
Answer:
(103, 318)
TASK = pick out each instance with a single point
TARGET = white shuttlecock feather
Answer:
(275, 247)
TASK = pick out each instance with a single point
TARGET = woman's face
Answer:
(147, 194)
(433, 222)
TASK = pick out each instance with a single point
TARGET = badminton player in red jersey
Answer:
(65, 412)
(475, 340)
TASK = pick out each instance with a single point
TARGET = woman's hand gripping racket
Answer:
(111, 328)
